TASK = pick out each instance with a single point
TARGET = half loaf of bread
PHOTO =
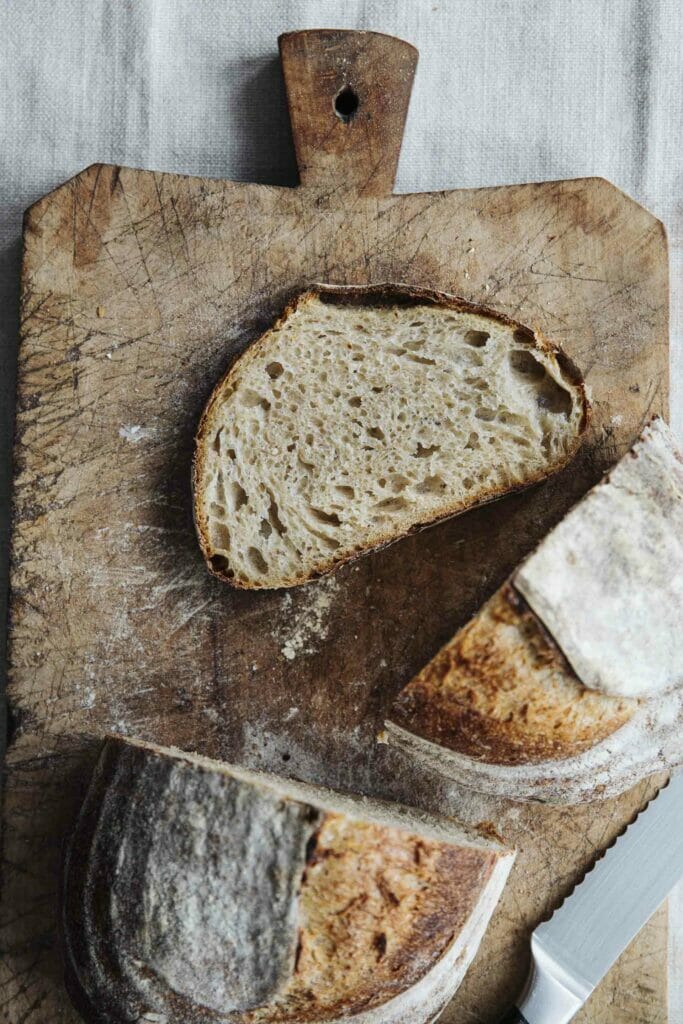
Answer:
(199, 893)
(568, 684)
(366, 413)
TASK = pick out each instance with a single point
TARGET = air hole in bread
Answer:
(221, 565)
(274, 516)
(237, 494)
(398, 483)
(217, 441)
(220, 535)
(377, 433)
(345, 492)
(275, 370)
(484, 414)
(432, 485)
(329, 543)
(329, 518)
(421, 359)
(356, 401)
(523, 336)
(525, 363)
(425, 451)
(265, 529)
(477, 339)
(249, 398)
(257, 561)
(391, 504)
(554, 398)
(550, 396)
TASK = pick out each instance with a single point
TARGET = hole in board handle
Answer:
(346, 104)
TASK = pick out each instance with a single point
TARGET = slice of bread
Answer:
(567, 685)
(366, 413)
(200, 892)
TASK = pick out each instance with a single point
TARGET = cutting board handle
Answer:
(348, 95)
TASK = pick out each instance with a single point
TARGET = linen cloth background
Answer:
(506, 91)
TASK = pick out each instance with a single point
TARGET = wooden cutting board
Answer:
(138, 288)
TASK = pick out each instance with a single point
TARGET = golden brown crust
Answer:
(502, 692)
(378, 907)
(390, 294)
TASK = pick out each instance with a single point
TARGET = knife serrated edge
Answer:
(603, 853)
(553, 993)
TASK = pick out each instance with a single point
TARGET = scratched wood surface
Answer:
(138, 288)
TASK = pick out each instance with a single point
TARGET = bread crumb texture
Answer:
(349, 424)
(502, 692)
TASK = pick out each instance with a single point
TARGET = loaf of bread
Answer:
(366, 413)
(199, 893)
(568, 684)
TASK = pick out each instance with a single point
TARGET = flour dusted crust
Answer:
(198, 893)
(608, 581)
(567, 685)
(366, 413)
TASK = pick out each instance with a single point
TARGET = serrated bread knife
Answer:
(571, 952)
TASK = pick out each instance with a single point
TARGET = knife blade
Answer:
(575, 948)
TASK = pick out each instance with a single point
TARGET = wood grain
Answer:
(358, 149)
(138, 289)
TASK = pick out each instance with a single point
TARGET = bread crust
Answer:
(384, 293)
(199, 893)
(502, 692)
(488, 712)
